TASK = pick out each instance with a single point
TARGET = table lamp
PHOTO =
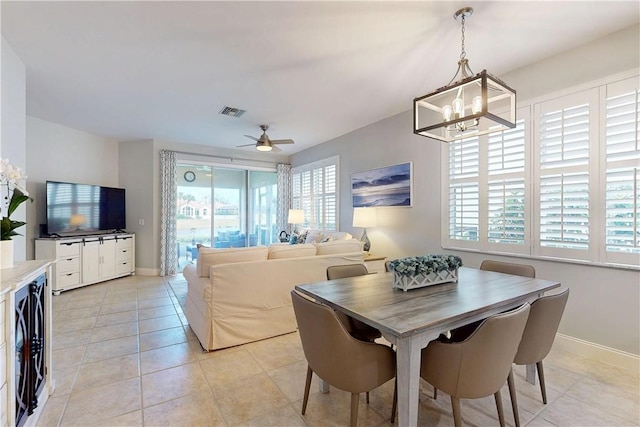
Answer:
(365, 217)
(296, 216)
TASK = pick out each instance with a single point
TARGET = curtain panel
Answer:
(284, 196)
(168, 209)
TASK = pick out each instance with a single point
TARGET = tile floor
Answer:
(123, 355)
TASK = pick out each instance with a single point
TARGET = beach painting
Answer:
(382, 187)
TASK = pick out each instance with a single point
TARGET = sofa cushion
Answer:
(317, 236)
(212, 256)
(291, 251)
(338, 247)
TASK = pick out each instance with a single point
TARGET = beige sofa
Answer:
(240, 295)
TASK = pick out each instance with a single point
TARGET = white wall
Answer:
(60, 153)
(604, 306)
(13, 117)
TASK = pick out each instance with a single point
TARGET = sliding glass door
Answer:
(224, 207)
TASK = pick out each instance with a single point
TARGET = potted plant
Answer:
(13, 195)
(416, 272)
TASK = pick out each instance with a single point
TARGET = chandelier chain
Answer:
(463, 53)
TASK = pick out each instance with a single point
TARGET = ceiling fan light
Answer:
(263, 147)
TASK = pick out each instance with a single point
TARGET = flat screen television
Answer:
(75, 209)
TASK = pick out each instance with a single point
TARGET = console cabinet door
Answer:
(108, 258)
(91, 261)
(98, 260)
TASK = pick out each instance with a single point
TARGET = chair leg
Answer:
(307, 386)
(543, 388)
(498, 397)
(514, 398)
(394, 407)
(367, 398)
(435, 393)
(455, 405)
(355, 398)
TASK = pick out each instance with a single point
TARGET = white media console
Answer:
(85, 260)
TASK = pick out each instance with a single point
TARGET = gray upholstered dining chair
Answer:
(525, 270)
(537, 340)
(338, 358)
(358, 329)
(508, 268)
(478, 366)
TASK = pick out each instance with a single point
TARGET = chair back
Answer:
(334, 355)
(508, 268)
(343, 271)
(544, 319)
(478, 366)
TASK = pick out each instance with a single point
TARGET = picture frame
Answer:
(388, 186)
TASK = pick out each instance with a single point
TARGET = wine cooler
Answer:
(30, 347)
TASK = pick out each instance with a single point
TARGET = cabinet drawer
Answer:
(68, 265)
(2, 325)
(4, 404)
(125, 243)
(124, 254)
(123, 267)
(3, 362)
(67, 279)
(68, 249)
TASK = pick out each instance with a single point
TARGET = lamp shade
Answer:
(296, 216)
(365, 217)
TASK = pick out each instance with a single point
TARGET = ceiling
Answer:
(311, 70)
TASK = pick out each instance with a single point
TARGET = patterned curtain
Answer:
(284, 196)
(168, 190)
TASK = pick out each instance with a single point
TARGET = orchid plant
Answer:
(424, 265)
(14, 194)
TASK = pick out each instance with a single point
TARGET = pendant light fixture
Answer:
(469, 105)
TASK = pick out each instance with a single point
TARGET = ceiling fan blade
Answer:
(275, 149)
(246, 145)
(282, 141)
(252, 137)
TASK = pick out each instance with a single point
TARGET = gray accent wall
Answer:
(604, 305)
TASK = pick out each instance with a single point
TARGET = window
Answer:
(622, 171)
(565, 183)
(566, 146)
(493, 165)
(315, 190)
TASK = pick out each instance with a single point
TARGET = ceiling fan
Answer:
(264, 143)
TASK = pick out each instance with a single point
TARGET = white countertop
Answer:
(10, 278)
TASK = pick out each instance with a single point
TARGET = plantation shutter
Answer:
(566, 130)
(506, 195)
(315, 191)
(622, 182)
(463, 203)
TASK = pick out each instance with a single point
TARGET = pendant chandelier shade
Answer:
(469, 105)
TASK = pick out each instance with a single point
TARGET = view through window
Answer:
(224, 207)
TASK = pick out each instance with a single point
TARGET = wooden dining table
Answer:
(410, 319)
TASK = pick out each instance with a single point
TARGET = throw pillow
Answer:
(302, 237)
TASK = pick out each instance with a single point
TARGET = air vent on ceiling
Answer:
(232, 112)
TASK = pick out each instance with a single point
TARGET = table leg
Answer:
(324, 387)
(408, 374)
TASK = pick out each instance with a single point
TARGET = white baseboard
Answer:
(148, 271)
(624, 360)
